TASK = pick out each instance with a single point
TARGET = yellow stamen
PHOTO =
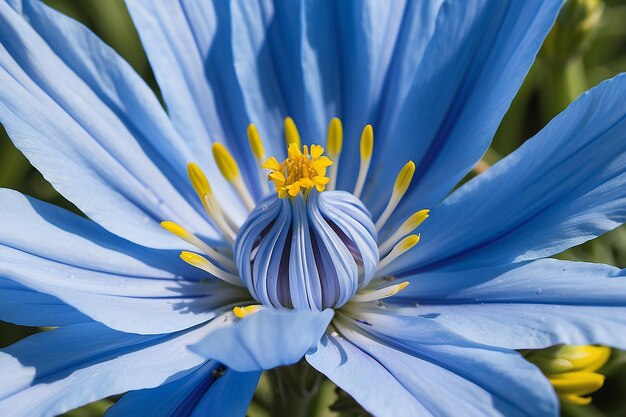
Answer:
(256, 146)
(366, 296)
(198, 179)
(367, 147)
(225, 162)
(367, 142)
(300, 171)
(410, 224)
(399, 249)
(229, 169)
(201, 262)
(189, 237)
(291, 133)
(209, 202)
(255, 143)
(334, 140)
(241, 312)
(334, 143)
(403, 180)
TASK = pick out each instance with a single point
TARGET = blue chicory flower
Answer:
(318, 269)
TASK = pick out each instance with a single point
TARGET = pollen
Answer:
(300, 171)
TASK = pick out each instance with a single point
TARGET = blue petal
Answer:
(89, 123)
(23, 306)
(62, 369)
(264, 340)
(398, 366)
(526, 305)
(314, 60)
(125, 286)
(445, 101)
(192, 62)
(561, 188)
(197, 394)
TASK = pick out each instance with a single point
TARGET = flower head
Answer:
(190, 275)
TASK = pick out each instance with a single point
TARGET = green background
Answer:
(586, 46)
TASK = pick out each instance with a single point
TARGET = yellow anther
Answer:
(367, 142)
(400, 248)
(229, 169)
(189, 237)
(334, 143)
(225, 162)
(365, 296)
(198, 180)
(415, 220)
(334, 139)
(176, 229)
(241, 312)
(404, 178)
(201, 262)
(397, 288)
(367, 147)
(255, 142)
(291, 133)
(408, 242)
(301, 170)
(410, 224)
(194, 259)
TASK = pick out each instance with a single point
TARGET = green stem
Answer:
(296, 389)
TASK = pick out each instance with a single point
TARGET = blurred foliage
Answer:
(586, 46)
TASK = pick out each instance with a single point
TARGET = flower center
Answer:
(299, 171)
(307, 246)
(307, 254)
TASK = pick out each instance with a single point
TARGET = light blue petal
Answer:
(125, 286)
(365, 379)
(561, 188)
(410, 366)
(62, 369)
(314, 60)
(92, 127)
(526, 305)
(23, 306)
(193, 65)
(266, 339)
(512, 385)
(197, 394)
(445, 100)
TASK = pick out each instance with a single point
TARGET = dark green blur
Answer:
(587, 45)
